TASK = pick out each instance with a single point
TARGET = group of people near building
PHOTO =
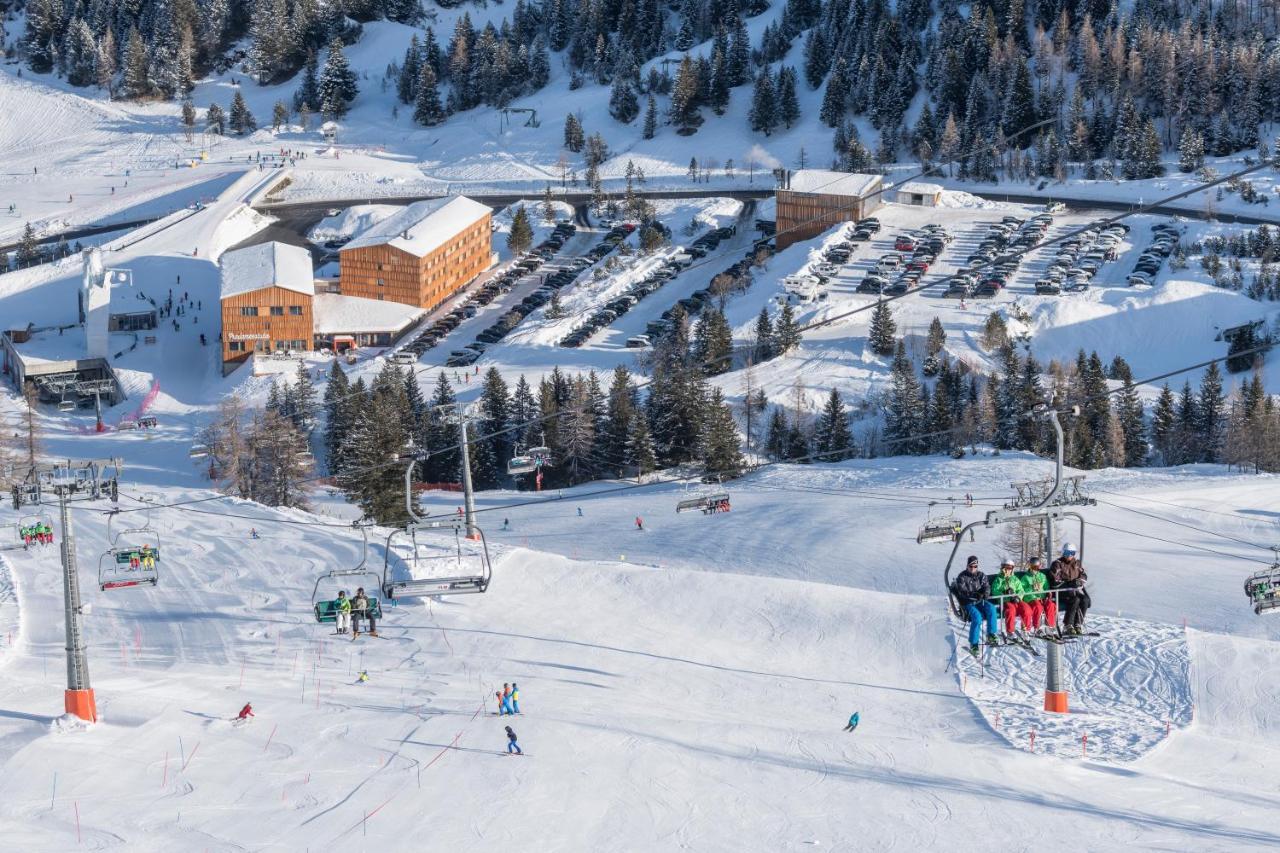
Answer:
(38, 532)
(1031, 595)
(349, 611)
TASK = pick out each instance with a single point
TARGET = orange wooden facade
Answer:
(265, 320)
(388, 273)
(801, 216)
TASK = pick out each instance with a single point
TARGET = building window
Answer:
(380, 299)
(236, 346)
(381, 283)
(277, 310)
(249, 312)
(295, 310)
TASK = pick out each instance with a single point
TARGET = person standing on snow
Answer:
(853, 722)
(639, 523)
(515, 698)
(498, 694)
(973, 591)
(1068, 576)
(506, 698)
(342, 611)
(512, 746)
(1008, 590)
(1044, 610)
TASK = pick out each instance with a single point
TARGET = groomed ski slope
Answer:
(669, 702)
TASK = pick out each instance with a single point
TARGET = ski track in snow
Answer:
(1127, 688)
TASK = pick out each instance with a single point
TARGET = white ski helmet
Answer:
(1068, 549)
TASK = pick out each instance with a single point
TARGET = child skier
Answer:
(853, 722)
(506, 698)
(498, 695)
(512, 746)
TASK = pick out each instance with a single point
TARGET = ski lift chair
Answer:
(705, 499)
(522, 465)
(147, 422)
(326, 610)
(938, 528)
(133, 558)
(1263, 589)
(34, 520)
(453, 571)
(198, 451)
(541, 456)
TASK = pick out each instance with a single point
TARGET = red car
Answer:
(918, 265)
(904, 244)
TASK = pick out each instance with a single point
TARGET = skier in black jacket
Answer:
(512, 746)
(972, 590)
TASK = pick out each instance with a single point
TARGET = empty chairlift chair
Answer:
(440, 569)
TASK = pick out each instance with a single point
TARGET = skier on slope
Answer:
(506, 698)
(1068, 576)
(512, 746)
(973, 591)
(853, 722)
(246, 712)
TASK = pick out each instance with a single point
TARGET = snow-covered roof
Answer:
(424, 226)
(832, 183)
(264, 265)
(918, 188)
(335, 314)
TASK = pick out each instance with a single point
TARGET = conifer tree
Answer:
(521, 236)
(1211, 421)
(881, 335)
(1129, 416)
(905, 414)
(279, 114)
(28, 251)
(832, 439)
(640, 452)
(684, 99)
(764, 346)
(764, 109)
(934, 342)
(721, 453)
(340, 414)
(650, 118)
(240, 119)
(410, 69)
(215, 120)
(1164, 427)
(337, 87)
(623, 105)
(136, 82)
(786, 333)
(443, 435)
(776, 441)
(308, 92)
(1190, 150)
(427, 109)
(574, 139)
(788, 102)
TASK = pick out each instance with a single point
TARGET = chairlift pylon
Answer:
(326, 610)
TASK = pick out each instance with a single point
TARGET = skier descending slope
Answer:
(972, 589)
(853, 722)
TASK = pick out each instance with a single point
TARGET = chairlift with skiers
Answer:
(1263, 588)
(31, 528)
(326, 609)
(527, 463)
(133, 559)
(707, 498)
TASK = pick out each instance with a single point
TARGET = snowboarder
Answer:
(512, 746)
(1008, 590)
(973, 591)
(360, 609)
(506, 698)
(1044, 610)
(515, 698)
(853, 722)
(342, 612)
(1068, 576)
(639, 523)
(246, 712)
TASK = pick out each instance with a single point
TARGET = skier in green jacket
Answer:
(1012, 588)
(1044, 610)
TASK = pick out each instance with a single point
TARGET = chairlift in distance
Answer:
(30, 522)
(198, 451)
(131, 560)
(939, 528)
(1263, 588)
(326, 610)
(148, 422)
(706, 498)
(527, 463)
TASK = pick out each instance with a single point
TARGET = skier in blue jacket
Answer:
(853, 722)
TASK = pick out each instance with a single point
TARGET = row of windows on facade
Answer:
(265, 346)
(274, 311)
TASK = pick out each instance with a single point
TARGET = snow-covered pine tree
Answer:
(340, 406)
(1129, 414)
(1164, 427)
(640, 452)
(337, 88)
(1210, 424)
(650, 118)
(764, 346)
(442, 434)
(685, 99)
(880, 336)
(308, 92)
(904, 415)
(239, 118)
(788, 102)
(721, 451)
(306, 410)
(623, 105)
(135, 83)
(1190, 149)
(574, 138)
(215, 120)
(495, 413)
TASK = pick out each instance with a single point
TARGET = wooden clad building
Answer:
(267, 294)
(421, 255)
(812, 200)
